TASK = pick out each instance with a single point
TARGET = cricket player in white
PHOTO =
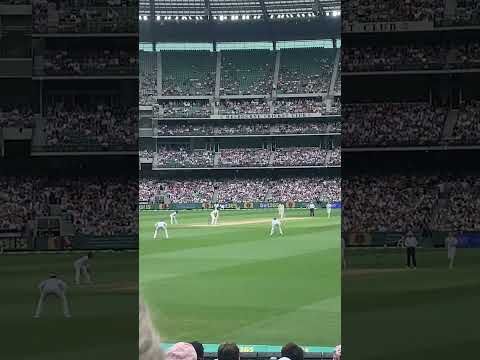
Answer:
(276, 225)
(173, 218)
(159, 226)
(451, 242)
(329, 209)
(281, 211)
(214, 217)
(56, 287)
(311, 207)
(81, 267)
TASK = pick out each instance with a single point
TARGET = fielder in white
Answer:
(281, 211)
(159, 226)
(451, 242)
(173, 218)
(82, 267)
(214, 217)
(329, 209)
(276, 226)
(56, 287)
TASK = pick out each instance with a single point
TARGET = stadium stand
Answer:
(247, 72)
(188, 72)
(305, 71)
(249, 189)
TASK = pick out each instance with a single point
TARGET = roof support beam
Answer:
(266, 16)
(208, 11)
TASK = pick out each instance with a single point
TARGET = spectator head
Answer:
(182, 351)
(198, 348)
(228, 351)
(148, 340)
(337, 354)
(292, 351)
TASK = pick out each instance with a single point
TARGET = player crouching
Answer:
(276, 226)
(173, 218)
(82, 267)
(214, 217)
(159, 226)
(56, 287)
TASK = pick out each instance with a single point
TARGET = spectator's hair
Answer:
(198, 349)
(148, 339)
(228, 351)
(292, 351)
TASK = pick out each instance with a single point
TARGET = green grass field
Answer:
(233, 282)
(104, 315)
(432, 311)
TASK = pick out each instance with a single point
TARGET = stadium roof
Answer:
(235, 9)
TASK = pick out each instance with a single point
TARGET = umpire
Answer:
(411, 245)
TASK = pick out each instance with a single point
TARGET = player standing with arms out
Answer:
(82, 267)
(56, 287)
(281, 211)
(329, 209)
(276, 226)
(214, 217)
(312, 209)
(173, 217)
(451, 242)
(159, 226)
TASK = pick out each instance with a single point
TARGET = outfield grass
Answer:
(236, 283)
(431, 311)
(104, 315)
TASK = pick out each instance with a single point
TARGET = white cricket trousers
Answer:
(79, 271)
(274, 228)
(44, 294)
(156, 232)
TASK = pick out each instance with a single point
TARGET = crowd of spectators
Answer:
(16, 116)
(467, 126)
(236, 107)
(305, 71)
(305, 156)
(98, 124)
(185, 108)
(96, 206)
(392, 124)
(232, 127)
(300, 105)
(366, 11)
(91, 62)
(298, 189)
(247, 72)
(182, 158)
(402, 203)
(391, 58)
(243, 157)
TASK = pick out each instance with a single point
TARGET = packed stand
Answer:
(84, 16)
(90, 62)
(16, 117)
(298, 189)
(244, 157)
(392, 58)
(465, 55)
(300, 106)
(96, 206)
(148, 78)
(367, 11)
(185, 109)
(467, 13)
(384, 124)
(242, 128)
(247, 72)
(403, 203)
(305, 71)
(188, 73)
(96, 125)
(182, 158)
(467, 126)
(302, 156)
(239, 107)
